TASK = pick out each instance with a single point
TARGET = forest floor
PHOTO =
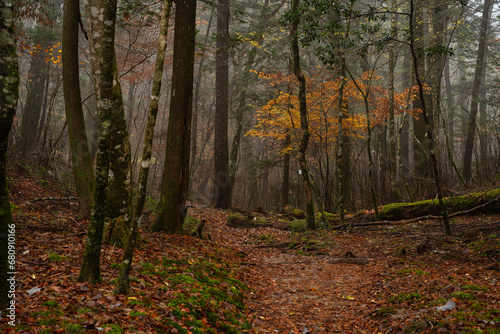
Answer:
(254, 280)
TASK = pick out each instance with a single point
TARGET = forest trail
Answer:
(295, 291)
(295, 282)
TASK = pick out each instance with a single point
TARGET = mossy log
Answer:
(240, 221)
(400, 211)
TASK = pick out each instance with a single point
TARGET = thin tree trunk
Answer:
(285, 185)
(80, 156)
(395, 194)
(123, 286)
(34, 101)
(304, 126)
(428, 126)
(476, 87)
(194, 127)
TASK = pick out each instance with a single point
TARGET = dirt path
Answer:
(396, 292)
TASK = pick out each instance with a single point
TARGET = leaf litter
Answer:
(255, 280)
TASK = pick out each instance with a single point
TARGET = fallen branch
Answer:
(39, 199)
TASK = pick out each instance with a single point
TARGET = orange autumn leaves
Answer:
(280, 116)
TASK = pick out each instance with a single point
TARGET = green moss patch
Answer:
(298, 225)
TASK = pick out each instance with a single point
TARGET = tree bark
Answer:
(9, 93)
(80, 155)
(37, 76)
(123, 286)
(428, 127)
(395, 193)
(221, 146)
(476, 87)
(172, 205)
(102, 18)
(304, 126)
(421, 152)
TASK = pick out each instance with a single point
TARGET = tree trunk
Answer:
(120, 183)
(172, 205)
(241, 106)
(194, 126)
(80, 156)
(421, 152)
(304, 126)
(428, 127)
(123, 286)
(102, 18)
(395, 194)
(37, 76)
(476, 88)
(221, 148)
(9, 93)
(285, 186)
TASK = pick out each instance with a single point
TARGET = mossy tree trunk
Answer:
(172, 205)
(119, 187)
(123, 286)
(9, 93)
(304, 141)
(80, 155)
(102, 18)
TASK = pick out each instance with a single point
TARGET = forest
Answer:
(236, 166)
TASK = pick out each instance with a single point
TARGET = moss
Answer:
(327, 216)
(396, 211)
(115, 329)
(53, 257)
(239, 220)
(190, 224)
(298, 225)
(51, 304)
(72, 328)
(236, 220)
(299, 214)
(116, 232)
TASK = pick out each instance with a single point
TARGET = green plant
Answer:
(402, 297)
(115, 329)
(53, 257)
(84, 310)
(134, 313)
(51, 303)
(72, 328)
(463, 295)
(47, 321)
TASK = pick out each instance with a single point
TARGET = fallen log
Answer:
(474, 202)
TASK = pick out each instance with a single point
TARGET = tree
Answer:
(37, 81)
(122, 286)
(102, 18)
(9, 91)
(476, 87)
(428, 127)
(221, 146)
(304, 126)
(80, 155)
(172, 205)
